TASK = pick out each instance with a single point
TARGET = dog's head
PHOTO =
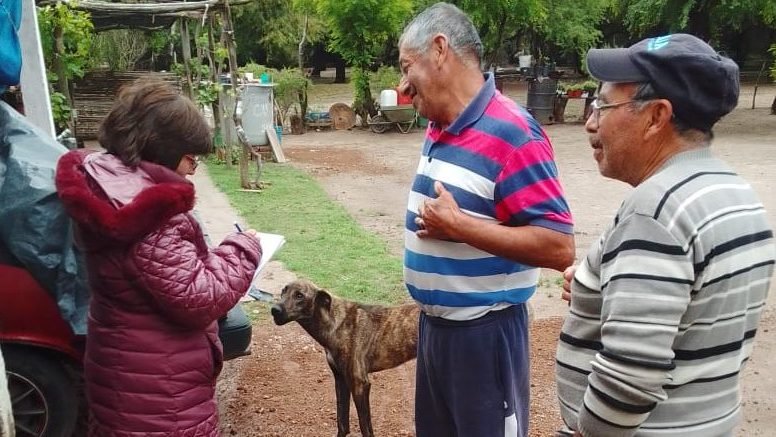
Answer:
(299, 300)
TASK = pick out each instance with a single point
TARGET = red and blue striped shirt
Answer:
(498, 164)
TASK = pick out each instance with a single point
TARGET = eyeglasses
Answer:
(194, 160)
(597, 107)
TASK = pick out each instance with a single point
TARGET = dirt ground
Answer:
(285, 388)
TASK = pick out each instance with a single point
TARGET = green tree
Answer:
(500, 20)
(66, 39)
(280, 25)
(509, 26)
(358, 30)
(573, 25)
(715, 20)
(120, 49)
(704, 18)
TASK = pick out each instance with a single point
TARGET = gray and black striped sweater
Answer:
(665, 307)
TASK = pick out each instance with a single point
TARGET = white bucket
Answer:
(388, 98)
(524, 61)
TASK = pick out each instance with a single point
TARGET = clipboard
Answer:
(270, 244)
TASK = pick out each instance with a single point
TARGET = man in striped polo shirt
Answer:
(665, 306)
(486, 209)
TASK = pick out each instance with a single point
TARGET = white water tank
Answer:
(258, 112)
(388, 98)
(524, 61)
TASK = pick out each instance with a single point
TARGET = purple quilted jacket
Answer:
(152, 349)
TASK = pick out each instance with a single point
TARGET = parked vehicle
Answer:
(43, 357)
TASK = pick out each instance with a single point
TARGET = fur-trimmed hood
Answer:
(116, 202)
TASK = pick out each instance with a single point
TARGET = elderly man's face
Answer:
(615, 133)
(419, 80)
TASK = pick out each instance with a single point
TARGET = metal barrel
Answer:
(541, 96)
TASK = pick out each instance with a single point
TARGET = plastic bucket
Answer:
(388, 98)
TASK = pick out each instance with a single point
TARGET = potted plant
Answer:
(574, 91)
(590, 87)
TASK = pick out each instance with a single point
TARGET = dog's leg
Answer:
(343, 398)
(361, 387)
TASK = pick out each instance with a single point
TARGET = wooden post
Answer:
(245, 156)
(186, 47)
(226, 129)
(217, 106)
(559, 108)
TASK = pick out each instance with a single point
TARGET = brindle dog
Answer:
(359, 339)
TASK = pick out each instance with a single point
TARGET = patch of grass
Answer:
(553, 281)
(322, 95)
(257, 311)
(323, 243)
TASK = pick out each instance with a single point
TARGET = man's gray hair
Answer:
(646, 92)
(446, 19)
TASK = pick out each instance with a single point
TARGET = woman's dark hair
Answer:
(152, 121)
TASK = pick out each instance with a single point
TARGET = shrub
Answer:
(386, 77)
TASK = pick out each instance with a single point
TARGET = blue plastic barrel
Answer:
(279, 131)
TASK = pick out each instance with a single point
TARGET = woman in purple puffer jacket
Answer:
(152, 348)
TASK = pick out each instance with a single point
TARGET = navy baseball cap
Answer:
(701, 84)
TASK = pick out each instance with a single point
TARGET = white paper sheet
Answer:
(270, 243)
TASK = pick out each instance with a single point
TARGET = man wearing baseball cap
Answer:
(665, 305)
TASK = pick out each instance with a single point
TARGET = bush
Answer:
(590, 86)
(290, 91)
(385, 78)
(256, 69)
(772, 51)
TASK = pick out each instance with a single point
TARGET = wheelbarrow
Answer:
(403, 117)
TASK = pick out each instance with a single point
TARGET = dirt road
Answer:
(286, 387)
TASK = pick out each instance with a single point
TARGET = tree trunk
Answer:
(199, 51)
(226, 129)
(63, 84)
(300, 53)
(245, 156)
(369, 104)
(217, 105)
(303, 102)
(186, 48)
(340, 77)
(559, 108)
(300, 49)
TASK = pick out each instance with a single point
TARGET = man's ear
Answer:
(661, 115)
(322, 299)
(440, 47)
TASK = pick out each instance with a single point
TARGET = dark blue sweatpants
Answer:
(473, 376)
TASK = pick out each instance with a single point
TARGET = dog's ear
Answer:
(322, 299)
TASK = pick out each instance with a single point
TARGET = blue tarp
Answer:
(34, 227)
